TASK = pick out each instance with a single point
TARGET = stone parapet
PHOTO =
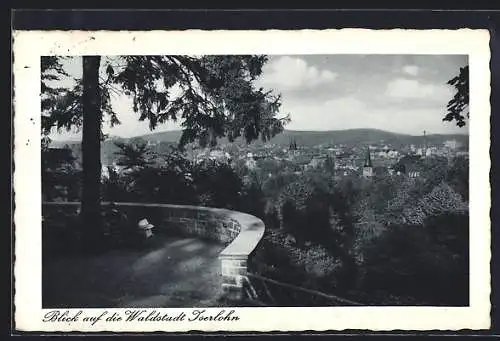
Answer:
(239, 232)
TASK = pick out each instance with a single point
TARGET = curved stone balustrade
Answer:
(240, 232)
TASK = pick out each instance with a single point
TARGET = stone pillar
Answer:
(234, 270)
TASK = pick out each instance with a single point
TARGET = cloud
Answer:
(292, 73)
(340, 113)
(412, 70)
(367, 95)
(351, 113)
(413, 89)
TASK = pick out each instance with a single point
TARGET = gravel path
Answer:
(174, 272)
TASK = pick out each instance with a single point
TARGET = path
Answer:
(176, 272)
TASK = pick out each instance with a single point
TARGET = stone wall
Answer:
(240, 232)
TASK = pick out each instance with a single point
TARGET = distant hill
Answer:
(350, 137)
(164, 136)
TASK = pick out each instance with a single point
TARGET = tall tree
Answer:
(213, 96)
(458, 106)
(91, 147)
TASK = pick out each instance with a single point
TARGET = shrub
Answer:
(407, 260)
(60, 176)
(118, 230)
(280, 258)
(61, 231)
(217, 183)
(458, 176)
(252, 201)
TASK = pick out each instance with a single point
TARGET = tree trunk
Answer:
(91, 152)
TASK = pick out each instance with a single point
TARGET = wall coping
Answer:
(251, 228)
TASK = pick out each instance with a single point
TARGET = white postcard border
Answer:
(30, 45)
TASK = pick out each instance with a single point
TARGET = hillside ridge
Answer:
(308, 137)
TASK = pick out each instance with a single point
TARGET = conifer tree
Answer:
(212, 96)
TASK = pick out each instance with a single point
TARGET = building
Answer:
(316, 162)
(250, 161)
(412, 170)
(368, 167)
(431, 151)
(293, 150)
(409, 165)
(452, 144)
(219, 155)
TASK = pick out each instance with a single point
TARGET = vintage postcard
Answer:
(252, 180)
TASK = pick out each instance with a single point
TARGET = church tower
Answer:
(367, 167)
(425, 144)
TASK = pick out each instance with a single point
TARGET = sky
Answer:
(398, 93)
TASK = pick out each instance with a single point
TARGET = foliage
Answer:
(315, 211)
(145, 181)
(293, 202)
(458, 106)
(271, 217)
(60, 176)
(410, 260)
(62, 107)
(457, 176)
(275, 184)
(378, 241)
(443, 200)
(61, 232)
(253, 201)
(217, 97)
(387, 236)
(434, 171)
(162, 184)
(219, 184)
(415, 209)
(312, 267)
(406, 162)
(406, 195)
(357, 222)
(115, 187)
(329, 165)
(297, 193)
(51, 70)
(119, 229)
(175, 180)
(133, 155)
